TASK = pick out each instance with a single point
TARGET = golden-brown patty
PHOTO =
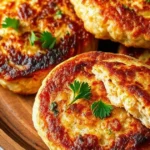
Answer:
(124, 21)
(23, 65)
(75, 127)
(127, 82)
(141, 54)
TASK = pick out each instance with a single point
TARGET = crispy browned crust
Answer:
(141, 54)
(20, 66)
(124, 21)
(119, 131)
(127, 82)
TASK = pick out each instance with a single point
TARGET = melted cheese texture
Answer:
(124, 21)
(20, 61)
(75, 126)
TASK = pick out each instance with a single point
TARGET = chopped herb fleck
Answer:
(33, 38)
(48, 41)
(58, 14)
(53, 108)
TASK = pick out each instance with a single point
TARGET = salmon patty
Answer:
(127, 82)
(65, 119)
(35, 36)
(127, 22)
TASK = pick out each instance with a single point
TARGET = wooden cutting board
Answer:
(16, 120)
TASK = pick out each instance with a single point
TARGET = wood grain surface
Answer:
(7, 142)
(16, 122)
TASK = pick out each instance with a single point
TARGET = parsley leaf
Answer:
(48, 41)
(33, 38)
(101, 110)
(12, 23)
(80, 90)
(58, 14)
(53, 108)
(148, 1)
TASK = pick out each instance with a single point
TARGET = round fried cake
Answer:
(124, 21)
(127, 82)
(141, 54)
(24, 61)
(66, 126)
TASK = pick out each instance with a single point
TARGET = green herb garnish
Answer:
(46, 38)
(33, 38)
(58, 13)
(128, 8)
(101, 109)
(48, 41)
(11, 22)
(109, 131)
(53, 108)
(148, 1)
(80, 90)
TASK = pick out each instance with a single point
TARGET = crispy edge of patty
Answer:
(118, 95)
(36, 106)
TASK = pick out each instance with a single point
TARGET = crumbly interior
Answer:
(119, 96)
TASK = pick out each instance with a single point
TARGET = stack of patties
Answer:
(126, 22)
(99, 100)
(35, 36)
(95, 100)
